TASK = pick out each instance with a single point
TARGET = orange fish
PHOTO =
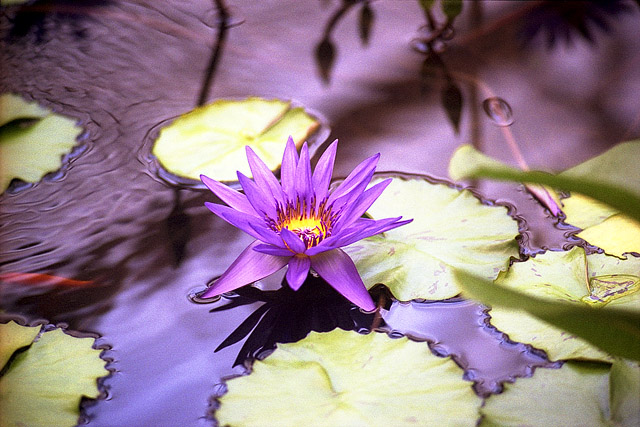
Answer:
(41, 279)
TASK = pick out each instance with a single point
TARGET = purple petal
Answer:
(231, 197)
(303, 182)
(372, 231)
(267, 235)
(324, 170)
(293, 241)
(241, 220)
(298, 270)
(263, 176)
(362, 173)
(263, 203)
(273, 250)
(361, 229)
(361, 205)
(340, 272)
(247, 268)
(288, 169)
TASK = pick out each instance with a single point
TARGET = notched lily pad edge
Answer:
(81, 146)
(523, 228)
(18, 186)
(220, 388)
(317, 139)
(105, 350)
(542, 362)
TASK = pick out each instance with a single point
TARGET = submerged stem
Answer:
(223, 19)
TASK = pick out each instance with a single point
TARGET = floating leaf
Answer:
(14, 107)
(345, 378)
(44, 384)
(29, 152)
(211, 139)
(594, 297)
(578, 394)
(451, 229)
(13, 337)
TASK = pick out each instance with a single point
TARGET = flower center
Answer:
(311, 225)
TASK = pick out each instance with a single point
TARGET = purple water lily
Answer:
(300, 222)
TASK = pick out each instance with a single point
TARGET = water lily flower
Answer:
(300, 222)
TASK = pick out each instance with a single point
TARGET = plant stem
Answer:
(223, 19)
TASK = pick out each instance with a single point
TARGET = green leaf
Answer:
(211, 139)
(616, 166)
(575, 395)
(624, 389)
(30, 152)
(426, 4)
(344, 378)
(451, 229)
(594, 298)
(13, 337)
(602, 225)
(451, 8)
(617, 195)
(12, 2)
(43, 385)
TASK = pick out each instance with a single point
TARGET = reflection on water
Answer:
(120, 68)
(288, 316)
(460, 329)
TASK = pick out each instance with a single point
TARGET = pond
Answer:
(568, 82)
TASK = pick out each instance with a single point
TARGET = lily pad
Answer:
(30, 151)
(211, 139)
(44, 384)
(14, 107)
(578, 394)
(344, 378)
(451, 229)
(13, 337)
(596, 280)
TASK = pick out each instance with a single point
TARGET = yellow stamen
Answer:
(310, 225)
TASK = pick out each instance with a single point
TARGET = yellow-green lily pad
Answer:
(343, 378)
(30, 151)
(578, 394)
(13, 337)
(211, 140)
(44, 384)
(596, 280)
(451, 229)
(14, 107)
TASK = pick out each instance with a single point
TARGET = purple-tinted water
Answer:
(121, 68)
